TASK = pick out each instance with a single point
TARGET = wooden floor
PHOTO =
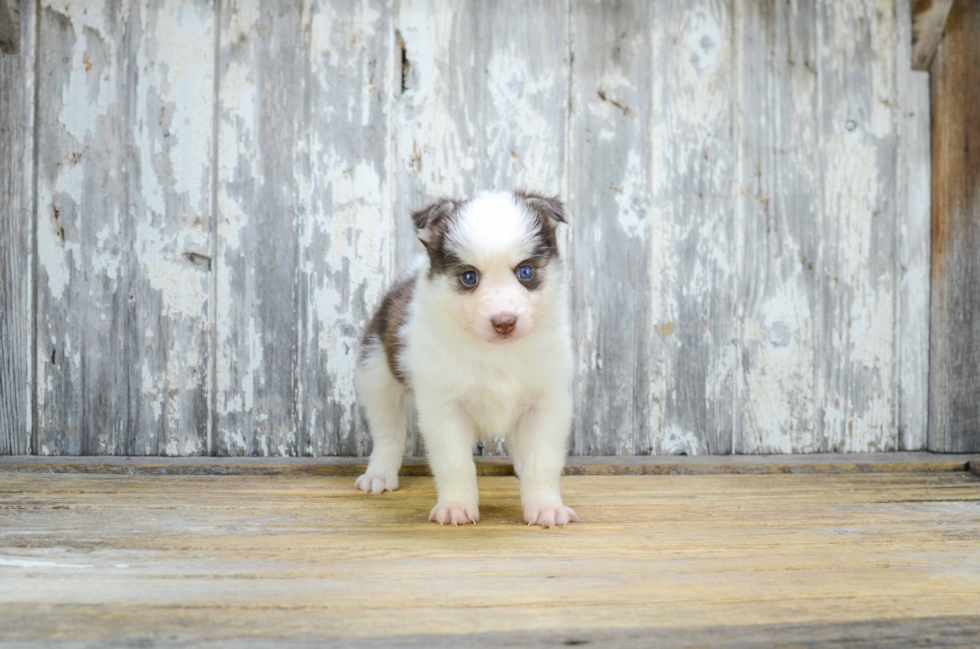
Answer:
(855, 559)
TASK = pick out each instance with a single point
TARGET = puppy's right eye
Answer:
(469, 279)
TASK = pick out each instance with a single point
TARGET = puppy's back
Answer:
(383, 332)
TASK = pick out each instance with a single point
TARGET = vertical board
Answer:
(913, 184)
(619, 364)
(779, 215)
(303, 220)
(124, 188)
(16, 237)
(954, 391)
(694, 276)
(481, 103)
(650, 179)
(834, 342)
(858, 269)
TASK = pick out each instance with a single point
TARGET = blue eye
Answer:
(525, 272)
(469, 278)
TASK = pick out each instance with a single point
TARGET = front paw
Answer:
(377, 483)
(549, 515)
(455, 514)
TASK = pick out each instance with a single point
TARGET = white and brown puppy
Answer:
(476, 337)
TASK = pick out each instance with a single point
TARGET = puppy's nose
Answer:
(504, 323)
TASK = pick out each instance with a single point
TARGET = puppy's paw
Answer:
(549, 515)
(376, 484)
(455, 514)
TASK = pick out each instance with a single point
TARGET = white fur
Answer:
(468, 382)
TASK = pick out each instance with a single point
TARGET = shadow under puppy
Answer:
(475, 335)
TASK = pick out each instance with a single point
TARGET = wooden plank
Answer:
(304, 220)
(481, 105)
(858, 272)
(914, 188)
(620, 374)
(16, 237)
(941, 632)
(10, 27)
(901, 462)
(347, 240)
(692, 306)
(304, 559)
(819, 274)
(928, 23)
(123, 231)
(954, 409)
(779, 213)
(650, 169)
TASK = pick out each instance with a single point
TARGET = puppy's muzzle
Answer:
(504, 323)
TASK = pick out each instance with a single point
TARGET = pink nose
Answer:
(504, 323)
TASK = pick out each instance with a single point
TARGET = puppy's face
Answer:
(493, 260)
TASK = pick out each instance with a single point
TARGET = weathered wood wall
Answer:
(954, 412)
(16, 235)
(223, 193)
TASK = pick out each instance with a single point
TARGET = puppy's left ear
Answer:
(430, 222)
(548, 206)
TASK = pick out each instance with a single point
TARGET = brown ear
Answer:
(548, 206)
(430, 221)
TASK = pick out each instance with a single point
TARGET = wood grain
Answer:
(612, 223)
(650, 167)
(954, 409)
(858, 271)
(779, 209)
(289, 560)
(832, 203)
(16, 238)
(913, 204)
(304, 220)
(124, 228)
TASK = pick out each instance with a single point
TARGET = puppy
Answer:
(476, 337)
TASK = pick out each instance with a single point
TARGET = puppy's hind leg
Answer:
(384, 400)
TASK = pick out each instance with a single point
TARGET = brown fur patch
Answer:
(549, 212)
(386, 322)
(549, 207)
(431, 224)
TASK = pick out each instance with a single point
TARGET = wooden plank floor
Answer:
(880, 559)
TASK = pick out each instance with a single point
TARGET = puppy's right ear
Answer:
(430, 222)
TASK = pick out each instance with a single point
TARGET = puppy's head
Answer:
(493, 260)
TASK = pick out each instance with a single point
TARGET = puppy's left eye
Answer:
(525, 272)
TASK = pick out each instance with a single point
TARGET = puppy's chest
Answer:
(493, 399)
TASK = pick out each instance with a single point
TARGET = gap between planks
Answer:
(830, 463)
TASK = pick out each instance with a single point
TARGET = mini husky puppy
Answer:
(476, 337)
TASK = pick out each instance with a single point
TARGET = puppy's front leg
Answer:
(539, 447)
(449, 446)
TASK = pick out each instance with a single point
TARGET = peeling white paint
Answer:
(677, 129)
(51, 252)
(632, 197)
